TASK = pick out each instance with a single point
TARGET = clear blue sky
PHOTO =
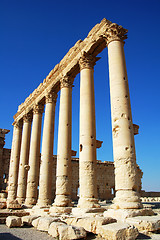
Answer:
(35, 36)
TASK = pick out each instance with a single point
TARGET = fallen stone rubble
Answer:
(67, 227)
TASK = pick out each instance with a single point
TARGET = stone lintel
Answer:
(93, 44)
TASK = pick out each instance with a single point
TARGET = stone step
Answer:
(14, 213)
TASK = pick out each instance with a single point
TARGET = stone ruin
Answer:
(31, 173)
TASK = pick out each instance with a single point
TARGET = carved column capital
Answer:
(87, 61)
(2, 142)
(115, 33)
(38, 108)
(66, 81)
(18, 124)
(51, 97)
(27, 117)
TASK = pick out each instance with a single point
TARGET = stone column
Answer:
(2, 143)
(87, 155)
(14, 165)
(46, 168)
(126, 187)
(34, 157)
(63, 174)
(24, 157)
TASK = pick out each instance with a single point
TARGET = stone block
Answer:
(122, 214)
(44, 223)
(90, 224)
(27, 220)
(35, 222)
(81, 211)
(13, 221)
(71, 232)
(118, 231)
(63, 231)
(145, 223)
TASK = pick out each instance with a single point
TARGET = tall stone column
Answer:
(87, 155)
(14, 165)
(24, 157)
(126, 187)
(63, 174)
(46, 168)
(2, 143)
(34, 157)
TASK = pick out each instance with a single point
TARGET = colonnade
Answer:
(27, 168)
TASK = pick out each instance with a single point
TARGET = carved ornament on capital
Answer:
(115, 32)
(87, 61)
(51, 97)
(38, 108)
(66, 81)
(27, 117)
(17, 124)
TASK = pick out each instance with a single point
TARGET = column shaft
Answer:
(24, 157)
(63, 174)
(14, 164)
(34, 157)
(87, 155)
(46, 169)
(122, 130)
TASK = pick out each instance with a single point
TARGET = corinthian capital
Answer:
(66, 81)
(38, 108)
(51, 97)
(17, 124)
(87, 61)
(115, 32)
(27, 117)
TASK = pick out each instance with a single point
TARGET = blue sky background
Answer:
(35, 36)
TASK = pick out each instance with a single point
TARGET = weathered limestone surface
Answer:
(45, 183)
(13, 221)
(71, 232)
(90, 224)
(122, 214)
(87, 154)
(63, 174)
(27, 220)
(63, 231)
(44, 223)
(53, 229)
(145, 223)
(34, 157)
(24, 155)
(14, 166)
(94, 43)
(118, 231)
(126, 185)
(3, 132)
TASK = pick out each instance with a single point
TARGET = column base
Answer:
(88, 203)
(87, 211)
(13, 204)
(42, 211)
(55, 209)
(126, 199)
(21, 200)
(122, 214)
(43, 204)
(30, 202)
(62, 201)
